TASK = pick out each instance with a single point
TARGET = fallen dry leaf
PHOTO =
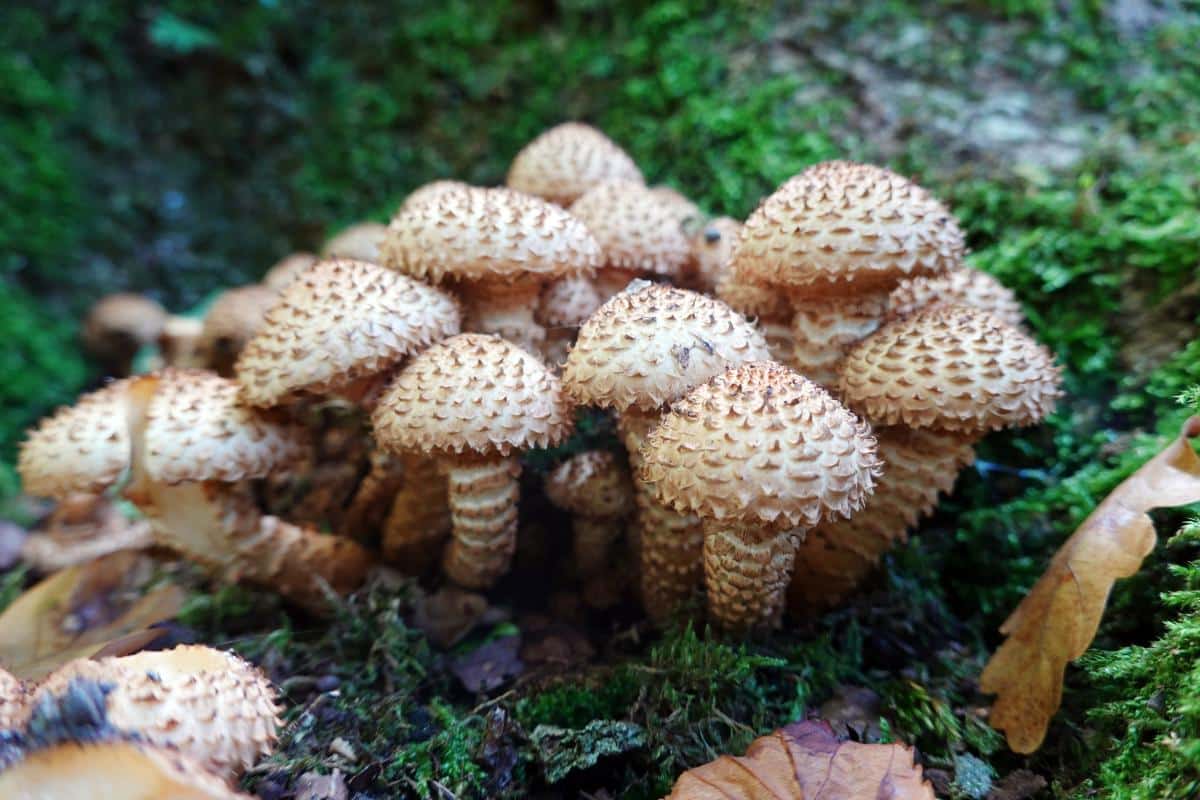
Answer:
(1057, 620)
(806, 760)
(88, 611)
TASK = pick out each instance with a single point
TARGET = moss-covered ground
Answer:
(176, 148)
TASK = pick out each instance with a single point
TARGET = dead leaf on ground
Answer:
(89, 611)
(449, 614)
(82, 528)
(490, 666)
(806, 760)
(1057, 620)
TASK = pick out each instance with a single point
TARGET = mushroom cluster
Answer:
(790, 393)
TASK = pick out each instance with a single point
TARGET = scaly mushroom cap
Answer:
(712, 249)
(568, 302)
(965, 287)
(594, 483)
(199, 429)
(757, 302)
(233, 318)
(649, 344)
(135, 318)
(473, 393)
(953, 368)
(358, 242)
(636, 229)
(567, 160)
(342, 321)
(429, 190)
(13, 695)
(683, 208)
(281, 275)
(471, 233)
(116, 769)
(79, 448)
(211, 705)
(839, 227)
(760, 444)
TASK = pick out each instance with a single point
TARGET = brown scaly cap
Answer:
(430, 190)
(965, 286)
(953, 368)
(232, 320)
(287, 270)
(636, 228)
(568, 302)
(135, 318)
(593, 483)
(567, 160)
(840, 227)
(212, 706)
(758, 302)
(760, 444)
(342, 321)
(198, 429)
(649, 344)
(358, 242)
(473, 393)
(471, 233)
(13, 696)
(80, 448)
(125, 769)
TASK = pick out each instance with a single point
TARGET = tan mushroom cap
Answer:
(132, 315)
(593, 483)
(79, 448)
(966, 287)
(760, 444)
(235, 316)
(953, 368)
(636, 229)
(712, 250)
(472, 233)
(211, 705)
(679, 203)
(359, 242)
(473, 393)
(199, 429)
(13, 695)
(342, 321)
(840, 227)
(116, 769)
(649, 344)
(287, 270)
(759, 302)
(567, 160)
(429, 190)
(568, 302)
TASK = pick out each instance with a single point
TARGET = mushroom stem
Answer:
(593, 537)
(505, 307)
(669, 544)
(373, 496)
(746, 574)
(824, 329)
(483, 492)
(837, 556)
(778, 333)
(419, 518)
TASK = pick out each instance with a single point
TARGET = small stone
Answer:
(314, 786)
(340, 747)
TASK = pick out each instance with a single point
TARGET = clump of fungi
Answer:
(790, 396)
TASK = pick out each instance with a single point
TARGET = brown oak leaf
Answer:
(806, 761)
(1057, 620)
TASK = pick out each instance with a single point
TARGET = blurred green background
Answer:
(175, 148)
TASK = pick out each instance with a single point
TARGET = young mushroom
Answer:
(117, 326)
(637, 354)
(358, 242)
(965, 286)
(567, 160)
(712, 251)
(179, 342)
(231, 321)
(837, 238)
(564, 306)
(594, 486)
(287, 269)
(760, 454)
(474, 401)
(208, 704)
(640, 234)
(932, 384)
(497, 247)
(767, 308)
